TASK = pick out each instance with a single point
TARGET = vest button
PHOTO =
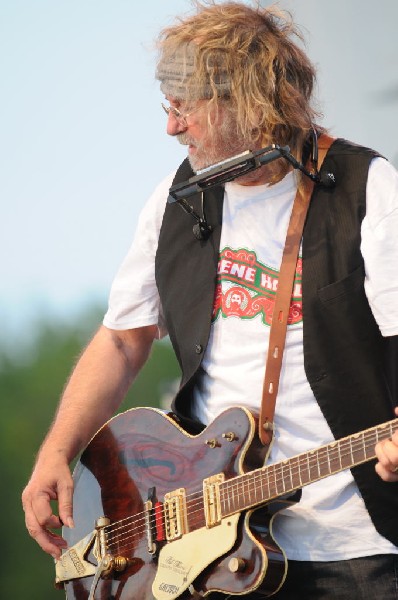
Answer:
(198, 348)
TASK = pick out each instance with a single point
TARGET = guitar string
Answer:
(140, 533)
(260, 473)
(195, 505)
(299, 463)
(349, 445)
(132, 541)
(325, 455)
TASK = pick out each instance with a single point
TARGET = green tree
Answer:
(31, 382)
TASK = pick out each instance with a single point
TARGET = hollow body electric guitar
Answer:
(161, 514)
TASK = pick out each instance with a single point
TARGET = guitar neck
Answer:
(273, 481)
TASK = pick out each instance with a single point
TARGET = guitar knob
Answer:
(236, 565)
(230, 436)
(120, 563)
(212, 443)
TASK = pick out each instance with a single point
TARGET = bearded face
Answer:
(212, 140)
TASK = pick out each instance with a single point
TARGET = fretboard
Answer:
(275, 480)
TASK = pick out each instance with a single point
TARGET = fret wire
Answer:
(291, 474)
(318, 461)
(351, 454)
(283, 476)
(256, 493)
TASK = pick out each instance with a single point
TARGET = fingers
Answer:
(387, 455)
(39, 516)
(50, 542)
(39, 521)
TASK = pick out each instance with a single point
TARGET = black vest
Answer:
(344, 352)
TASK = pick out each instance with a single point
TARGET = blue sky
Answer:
(82, 139)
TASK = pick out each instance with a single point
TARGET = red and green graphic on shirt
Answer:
(246, 288)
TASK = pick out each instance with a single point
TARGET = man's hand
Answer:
(387, 454)
(95, 389)
(50, 480)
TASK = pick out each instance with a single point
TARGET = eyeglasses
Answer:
(178, 115)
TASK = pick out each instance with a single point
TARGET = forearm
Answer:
(95, 389)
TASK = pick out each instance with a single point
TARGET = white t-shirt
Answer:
(330, 522)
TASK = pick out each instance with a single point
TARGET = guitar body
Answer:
(143, 449)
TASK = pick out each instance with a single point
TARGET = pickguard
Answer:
(182, 560)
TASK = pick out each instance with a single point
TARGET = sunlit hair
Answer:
(270, 78)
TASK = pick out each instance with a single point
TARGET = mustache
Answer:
(184, 139)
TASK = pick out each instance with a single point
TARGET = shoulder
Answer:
(381, 192)
(383, 173)
(350, 164)
(344, 147)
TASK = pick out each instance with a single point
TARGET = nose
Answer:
(174, 127)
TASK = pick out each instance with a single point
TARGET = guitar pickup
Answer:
(211, 497)
(175, 514)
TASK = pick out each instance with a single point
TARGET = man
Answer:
(233, 80)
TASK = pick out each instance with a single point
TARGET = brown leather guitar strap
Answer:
(283, 296)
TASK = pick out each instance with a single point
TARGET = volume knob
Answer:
(236, 564)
